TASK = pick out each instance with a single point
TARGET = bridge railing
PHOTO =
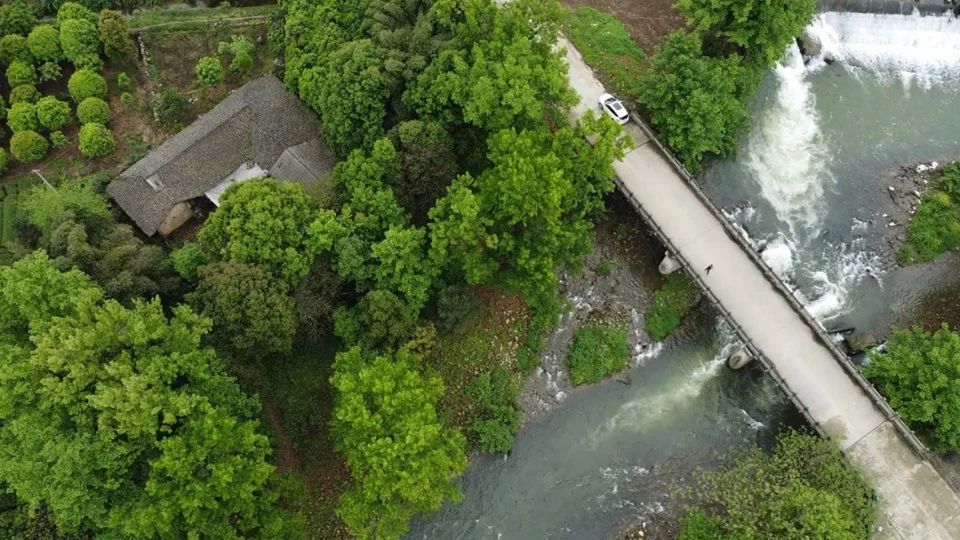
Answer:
(881, 403)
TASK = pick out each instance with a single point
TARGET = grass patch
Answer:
(608, 48)
(598, 350)
(674, 299)
(935, 228)
(175, 17)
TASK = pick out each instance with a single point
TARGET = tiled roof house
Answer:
(259, 129)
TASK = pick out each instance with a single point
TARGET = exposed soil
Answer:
(649, 20)
(617, 283)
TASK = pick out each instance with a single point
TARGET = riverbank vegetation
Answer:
(607, 47)
(599, 350)
(675, 298)
(803, 489)
(935, 227)
(919, 375)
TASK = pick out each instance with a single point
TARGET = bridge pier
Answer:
(668, 265)
(739, 358)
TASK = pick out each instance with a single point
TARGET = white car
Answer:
(614, 108)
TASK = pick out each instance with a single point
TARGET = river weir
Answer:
(866, 93)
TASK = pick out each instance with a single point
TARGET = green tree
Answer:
(46, 208)
(52, 113)
(266, 223)
(252, 313)
(22, 116)
(25, 93)
(19, 72)
(188, 259)
(209, 71)
(530, 212)
(759, 30)
(502, 71)
(427, 163)
(44, 43)
(96, 140)
(804, 489)
(93, 110)
(13, 48)
(75, 11)
(697, 102)
(115, 35)
(28, 146)
(121, 424)
(920, 377)
(79, 40)
(86, 83)
(380, 321)
(349, 92)
(402, 458)
(16, 18)
(241, 49)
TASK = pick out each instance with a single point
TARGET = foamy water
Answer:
(914, 49)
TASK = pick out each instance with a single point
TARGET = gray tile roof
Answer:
(255, 123)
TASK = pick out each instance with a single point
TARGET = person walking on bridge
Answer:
(708, 269)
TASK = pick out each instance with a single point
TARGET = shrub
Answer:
(242, 49)
(671, 302)
(22, 116)
(187, 260)
(495, 394)
(93, 110)
(44, 43)
(4, 159)
(380, 321)
(598, 350)
(124, 82)
(209, 71)
(19, 72)
(52, 113)
(49, 71)
(86, 83)
(14, 47)
(58, 139)
(126, 98)
(73, 11)
(79, 41)
(920, 376)
(28, 146)
(25, 93)
(16, 18)
(96, 140)
(172, 108)
(115, 35)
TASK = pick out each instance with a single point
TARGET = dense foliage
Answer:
(804, 489)
(401, 456)
(209, 71)
(52, 113)
(935, 227)
(118, 421)
(96, 140)
(92, 109)
(263, 222)
(115, 36)
(598, 351)
(919, 375)
(678, 295)
(86, 83)
(28, 146)
(759, 30)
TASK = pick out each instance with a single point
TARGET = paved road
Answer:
(916, 501)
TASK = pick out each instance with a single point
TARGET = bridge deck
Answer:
(916, 500)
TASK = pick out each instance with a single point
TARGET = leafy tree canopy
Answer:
(263, 222)
(120, 423)
(920, 376)
(401, 456)
(697, 102)
(760, 30)
(530, 212)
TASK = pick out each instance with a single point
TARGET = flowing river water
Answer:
(807, 187)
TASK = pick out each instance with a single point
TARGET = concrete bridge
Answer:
(819, 379)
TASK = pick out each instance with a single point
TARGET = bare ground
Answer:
(649, 20)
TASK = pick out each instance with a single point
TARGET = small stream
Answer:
(808, 188)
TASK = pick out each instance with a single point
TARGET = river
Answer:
(806, 186)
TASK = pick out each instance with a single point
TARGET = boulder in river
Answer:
(810, 45)
(859, 342)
